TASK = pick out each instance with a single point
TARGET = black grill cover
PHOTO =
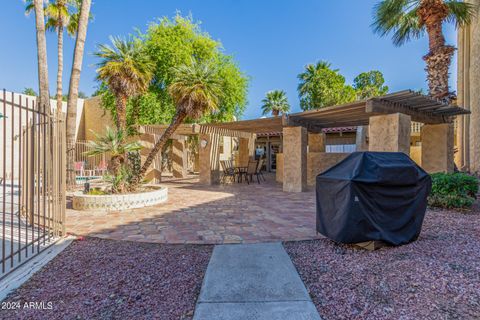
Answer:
(372, 196)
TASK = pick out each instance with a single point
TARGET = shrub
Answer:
(453, 190)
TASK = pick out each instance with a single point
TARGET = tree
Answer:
(171, 43)
(195, 90)
(113, 143)
(320, 86)
(369, 84)
(126, 70)
(44, 98)
(408, 19)
(29, 92)
(83, 19)
(275, 102)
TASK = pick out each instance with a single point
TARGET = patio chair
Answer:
(228, 171)
(79, 168)
(251, 171)
(261, 162)
(101, 168)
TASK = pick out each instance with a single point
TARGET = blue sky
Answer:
(272, 41)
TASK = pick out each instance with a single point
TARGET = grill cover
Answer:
(372, 196)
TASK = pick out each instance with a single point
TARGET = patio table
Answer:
(240, 170)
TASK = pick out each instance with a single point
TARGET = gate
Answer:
(32, 178)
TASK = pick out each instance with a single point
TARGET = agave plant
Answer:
(113, 142)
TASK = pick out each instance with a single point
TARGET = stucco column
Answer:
(361, 141)
(154, 173)
(316, 142)
(246, 150)
(208, 151)
(179, 158)
(437, 147)
(390, 133)
(294, 159)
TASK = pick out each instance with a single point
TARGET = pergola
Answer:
(388, 119)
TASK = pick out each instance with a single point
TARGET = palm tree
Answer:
(408, 19)
(195, 90)
(127, 70)
(38, 7)
(71, 126)
(275, 102)
(58, 18)
(113, 143)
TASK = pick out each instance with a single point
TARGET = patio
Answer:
(200, 214)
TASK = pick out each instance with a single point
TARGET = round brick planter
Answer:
(117, 202)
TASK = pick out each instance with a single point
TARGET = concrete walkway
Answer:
(253, 282)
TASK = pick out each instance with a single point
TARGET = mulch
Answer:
(435, 277)
(106, 279)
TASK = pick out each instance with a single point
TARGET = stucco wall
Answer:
(95, 118)
(317, 162)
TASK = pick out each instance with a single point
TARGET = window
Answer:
(341, 148)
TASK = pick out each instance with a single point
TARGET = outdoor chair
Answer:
(259, 173)
(252, 171)
(101, 169)
(228, 171)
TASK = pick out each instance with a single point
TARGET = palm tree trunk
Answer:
(176, 121)
(73, 89)
(60, 68)
(121, 101)
(44, 94)
(439, 58)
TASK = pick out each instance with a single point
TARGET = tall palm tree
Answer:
(72, 100)
(408, 19)
(127, 71)
(195, 90)
(38, 7)
(275, 102)
(58, 18)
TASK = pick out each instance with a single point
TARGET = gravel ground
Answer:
(106, 279)
(436, 277)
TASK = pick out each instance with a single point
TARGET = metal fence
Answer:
(32, 178)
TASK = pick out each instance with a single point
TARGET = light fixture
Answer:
(203, 143)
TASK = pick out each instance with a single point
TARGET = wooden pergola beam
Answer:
(387, 107)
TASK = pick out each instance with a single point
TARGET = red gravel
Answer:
(106, 279)
(436, 277)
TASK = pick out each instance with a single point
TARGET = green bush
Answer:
(453, 190)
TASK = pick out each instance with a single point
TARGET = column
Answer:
(208, 151)
(246, 150)
(316, 142)
(294, 159)
(361, 141)
(437, 147)
(390, 133)
(179, 158)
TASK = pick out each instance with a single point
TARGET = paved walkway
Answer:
(195, 213)
(253, 281)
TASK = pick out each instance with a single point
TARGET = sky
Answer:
(271, 40)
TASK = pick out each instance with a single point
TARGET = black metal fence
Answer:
(32, 178)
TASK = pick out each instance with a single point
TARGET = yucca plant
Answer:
(408, 19)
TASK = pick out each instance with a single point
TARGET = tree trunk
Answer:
(176, 121)
(44, 94)
(121, 101)
(438, 60)
(73, 89)
(60, 68)
(275, 112)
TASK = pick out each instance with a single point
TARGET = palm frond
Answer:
(461, 13)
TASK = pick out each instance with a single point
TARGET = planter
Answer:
(115, 202)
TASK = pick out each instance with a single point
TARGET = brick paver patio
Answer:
(194, 213)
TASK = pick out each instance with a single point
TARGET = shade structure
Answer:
(372, 196)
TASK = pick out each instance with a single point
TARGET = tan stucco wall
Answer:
(437, 148)
(95, 118)
(390, 133)
(416, 154)
(317, 162)
(294, 159)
